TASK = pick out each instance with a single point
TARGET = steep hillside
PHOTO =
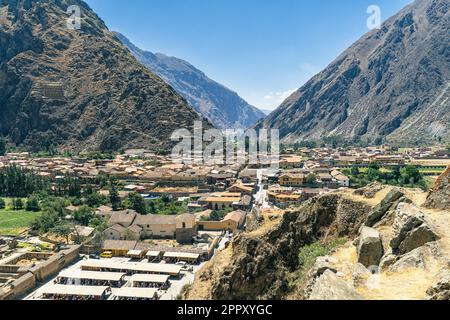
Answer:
(391, 85)
(223, 107)
(78, 89)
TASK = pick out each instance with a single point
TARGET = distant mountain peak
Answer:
(222, 106)
(391, 85)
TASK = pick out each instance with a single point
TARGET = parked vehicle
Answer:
(107, 255)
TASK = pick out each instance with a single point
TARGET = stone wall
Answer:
(184, 235)
(40, 273)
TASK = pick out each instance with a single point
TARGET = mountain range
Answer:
(92, 89)
(79, 89)
(392, 85)
(223, 107)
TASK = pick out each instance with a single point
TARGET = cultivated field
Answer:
(15, 222)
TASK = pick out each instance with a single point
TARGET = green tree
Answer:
(152, 209)
(355, 171)
(17, 204)
(18, 182)
(70, 186)
(2, 204)
(45, 222)
(373, 173)
(137, 203)
(411, 175)
(63, 229)
(311, 178)
(114, 195)
(98, 224)
(2, 146)
(33, 205)
(95, 200)
(84, 215)
(396, 174)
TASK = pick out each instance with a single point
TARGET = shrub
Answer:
(17, 204)
(33, 205)
(309, 253)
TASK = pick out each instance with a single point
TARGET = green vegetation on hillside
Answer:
(308, 255)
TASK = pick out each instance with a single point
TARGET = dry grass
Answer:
(272, 218)
(204, 278)
(349, 194)
(410, 284)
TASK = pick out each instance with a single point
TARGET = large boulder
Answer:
(388, 260)
(412, 260)
(370, 248)
(360, 274)
(418, 258)
(411, 231)
(331, 287)
(321, 265)
(383, 207)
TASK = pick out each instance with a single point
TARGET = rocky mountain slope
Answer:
(393, 85)
(223, 107)
(392, 248)
(78, 89)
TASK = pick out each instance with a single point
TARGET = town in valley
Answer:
(136, 225)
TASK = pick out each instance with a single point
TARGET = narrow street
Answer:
(261, 195)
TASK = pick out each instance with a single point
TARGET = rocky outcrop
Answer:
(347, 223)
(259, 265)
(439, 196)
(414, 259)
(321, 265)
(370, 248)
(441, 290)
(369, 191)
(388, 260)
(331, 287)
(392, 85)
(390, 201)
(360, 274)
(411, 231)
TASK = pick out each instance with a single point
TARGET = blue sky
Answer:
(262, 49)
